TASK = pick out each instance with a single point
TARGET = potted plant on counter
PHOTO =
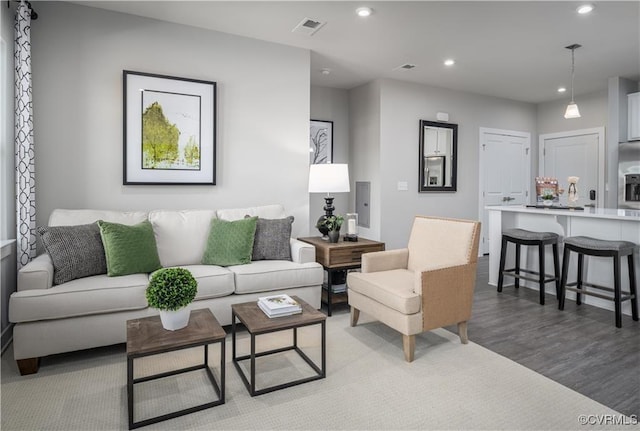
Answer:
(547, 199)
(171, 290)
(333, 224)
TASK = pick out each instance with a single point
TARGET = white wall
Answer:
(593, 113)
(402, 106)
(331, 104)
(364, 152)
(263, 116)
(7, 167)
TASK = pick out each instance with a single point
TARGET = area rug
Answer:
(368, 386)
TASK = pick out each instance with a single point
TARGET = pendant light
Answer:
(572, 109)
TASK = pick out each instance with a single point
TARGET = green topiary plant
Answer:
(171, 289)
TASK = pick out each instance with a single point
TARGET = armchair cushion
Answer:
(385, 260)
(394, 288)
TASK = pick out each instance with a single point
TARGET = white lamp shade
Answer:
(572, 111)
(329, 178)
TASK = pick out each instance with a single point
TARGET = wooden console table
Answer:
(339, 256)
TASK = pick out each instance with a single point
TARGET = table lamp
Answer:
(328, 178)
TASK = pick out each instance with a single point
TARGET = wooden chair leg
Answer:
(462, 332)
(355, 315)
(28, 366)
(409, 346)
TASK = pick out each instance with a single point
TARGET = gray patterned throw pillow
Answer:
(272, 239)
(76, 251)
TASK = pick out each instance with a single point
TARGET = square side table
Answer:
(258, 323)
(340, 256)
(147, 337)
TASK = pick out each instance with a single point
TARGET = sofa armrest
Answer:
(385, 260)
(37, 274)
(302, 252)
(447, 294)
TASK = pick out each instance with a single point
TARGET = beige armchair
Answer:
(425, 286)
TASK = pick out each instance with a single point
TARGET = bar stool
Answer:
(522, 237)
(596, 247)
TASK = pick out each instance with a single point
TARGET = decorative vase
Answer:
(334, 235)
(572, 194)
(174, 320)
(547, 202)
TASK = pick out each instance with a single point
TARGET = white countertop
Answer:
(604, 213)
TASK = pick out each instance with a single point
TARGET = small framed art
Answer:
(321, 142)
(169, 130)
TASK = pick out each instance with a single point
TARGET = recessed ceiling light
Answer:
(364, 11)
(585, 8)
(449, 62)
(561, 89)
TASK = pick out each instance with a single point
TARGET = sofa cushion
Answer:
(265, 211)
(85, 296)
(230, 242)
(273, 239)
(75, 251)
(267, 275)
(213, 281)
(62, 217)
(129, 249)
(393, 288)
(181, 236)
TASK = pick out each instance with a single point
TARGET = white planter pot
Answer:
(174, 320)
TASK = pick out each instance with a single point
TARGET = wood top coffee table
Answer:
(258, 323)
(146, 337)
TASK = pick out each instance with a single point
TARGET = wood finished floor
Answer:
(579, 347)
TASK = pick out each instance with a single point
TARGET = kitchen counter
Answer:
(603, 213)
(601, 223)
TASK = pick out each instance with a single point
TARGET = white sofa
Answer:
(92, 311)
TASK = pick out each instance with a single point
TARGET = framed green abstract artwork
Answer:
(169, 130)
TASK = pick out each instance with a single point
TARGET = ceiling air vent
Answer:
(406, 66)
(308, 26)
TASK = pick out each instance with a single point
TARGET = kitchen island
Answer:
(601, 223)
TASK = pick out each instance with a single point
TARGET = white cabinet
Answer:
(634, 117)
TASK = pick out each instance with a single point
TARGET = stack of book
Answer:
(279, 305)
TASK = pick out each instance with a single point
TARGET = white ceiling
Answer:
(510, 49)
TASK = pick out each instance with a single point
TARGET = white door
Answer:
(576, 153)
(504, 172)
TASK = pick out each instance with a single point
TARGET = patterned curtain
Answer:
(25, 167)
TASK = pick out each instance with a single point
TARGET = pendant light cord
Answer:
(573, 66)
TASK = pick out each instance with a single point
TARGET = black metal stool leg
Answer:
(616, 293)
(633, 288)
(579, 285)
(542, 273)
(517, 282)
(503, 257)
(556, 269)
(566, 258)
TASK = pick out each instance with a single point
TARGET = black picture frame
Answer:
(320, 142)
(169, 130)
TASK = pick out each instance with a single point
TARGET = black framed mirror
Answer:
(438, 155)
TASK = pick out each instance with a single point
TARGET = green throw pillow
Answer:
(230, 242)
(129, 249)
